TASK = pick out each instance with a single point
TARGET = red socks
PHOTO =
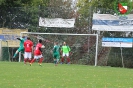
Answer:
(32, 61)
(29, 60)
(25, 60)
(62, 60)
(40, 61)
(68, 60)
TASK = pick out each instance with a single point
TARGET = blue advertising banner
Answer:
(8, 37)
(117, 42)
(108, 22)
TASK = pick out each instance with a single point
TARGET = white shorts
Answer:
(38, 56)
(27, 55)
(65, 54)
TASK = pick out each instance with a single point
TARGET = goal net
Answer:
(83, 46)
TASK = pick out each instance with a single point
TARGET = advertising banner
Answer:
(117, 42)
(108, 22)
(56, 22)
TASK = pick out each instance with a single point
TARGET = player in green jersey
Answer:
(65, 49)
(56, 53)
(21, 46)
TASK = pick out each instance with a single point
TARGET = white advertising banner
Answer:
(117, 42)
(56, 22)
(108, 22)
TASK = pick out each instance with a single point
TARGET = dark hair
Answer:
(23, 36)
(28, 38)
(40, 41)
(56, 43)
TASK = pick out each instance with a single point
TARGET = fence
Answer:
(4, 51)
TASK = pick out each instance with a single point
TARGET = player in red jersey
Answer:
(28, 47)
(38, 52)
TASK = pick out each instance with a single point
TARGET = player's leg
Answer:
(33, 60)
(58, 58)
(62, 59)
(18, 50)
(25, 57)
(68, 58)
(55, 58)
(40, 60)
(29, 56)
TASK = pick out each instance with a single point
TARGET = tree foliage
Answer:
(25, 14)
(20, 13)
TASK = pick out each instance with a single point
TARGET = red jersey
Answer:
(37, 49)
(28, 44)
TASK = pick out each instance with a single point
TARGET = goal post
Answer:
(83, 45)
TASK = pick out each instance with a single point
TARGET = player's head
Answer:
(55, 43)
(28, 38)
(64, 43)
(23, 36)
(40, 40)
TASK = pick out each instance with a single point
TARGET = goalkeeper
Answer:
(56, 53)
(21, 46)
(65, 49)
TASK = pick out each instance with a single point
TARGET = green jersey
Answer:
(56, 49)
(21, 43)
(65, 49)
(56, 52)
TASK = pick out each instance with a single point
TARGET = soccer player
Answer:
(28, 47)
(38, 53)
(56, 53)
(65, 49)
(21, 46)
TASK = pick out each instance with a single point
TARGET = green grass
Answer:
(18, 75)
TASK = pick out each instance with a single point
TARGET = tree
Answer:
(20, 13)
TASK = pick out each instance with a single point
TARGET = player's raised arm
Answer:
(42, 46)
(18, 38)
(21, 38)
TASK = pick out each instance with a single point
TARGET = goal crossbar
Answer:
(56, 33)
(64, 34)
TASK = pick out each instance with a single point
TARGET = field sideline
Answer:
(18, 75)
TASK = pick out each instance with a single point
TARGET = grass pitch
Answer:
(18, 75)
